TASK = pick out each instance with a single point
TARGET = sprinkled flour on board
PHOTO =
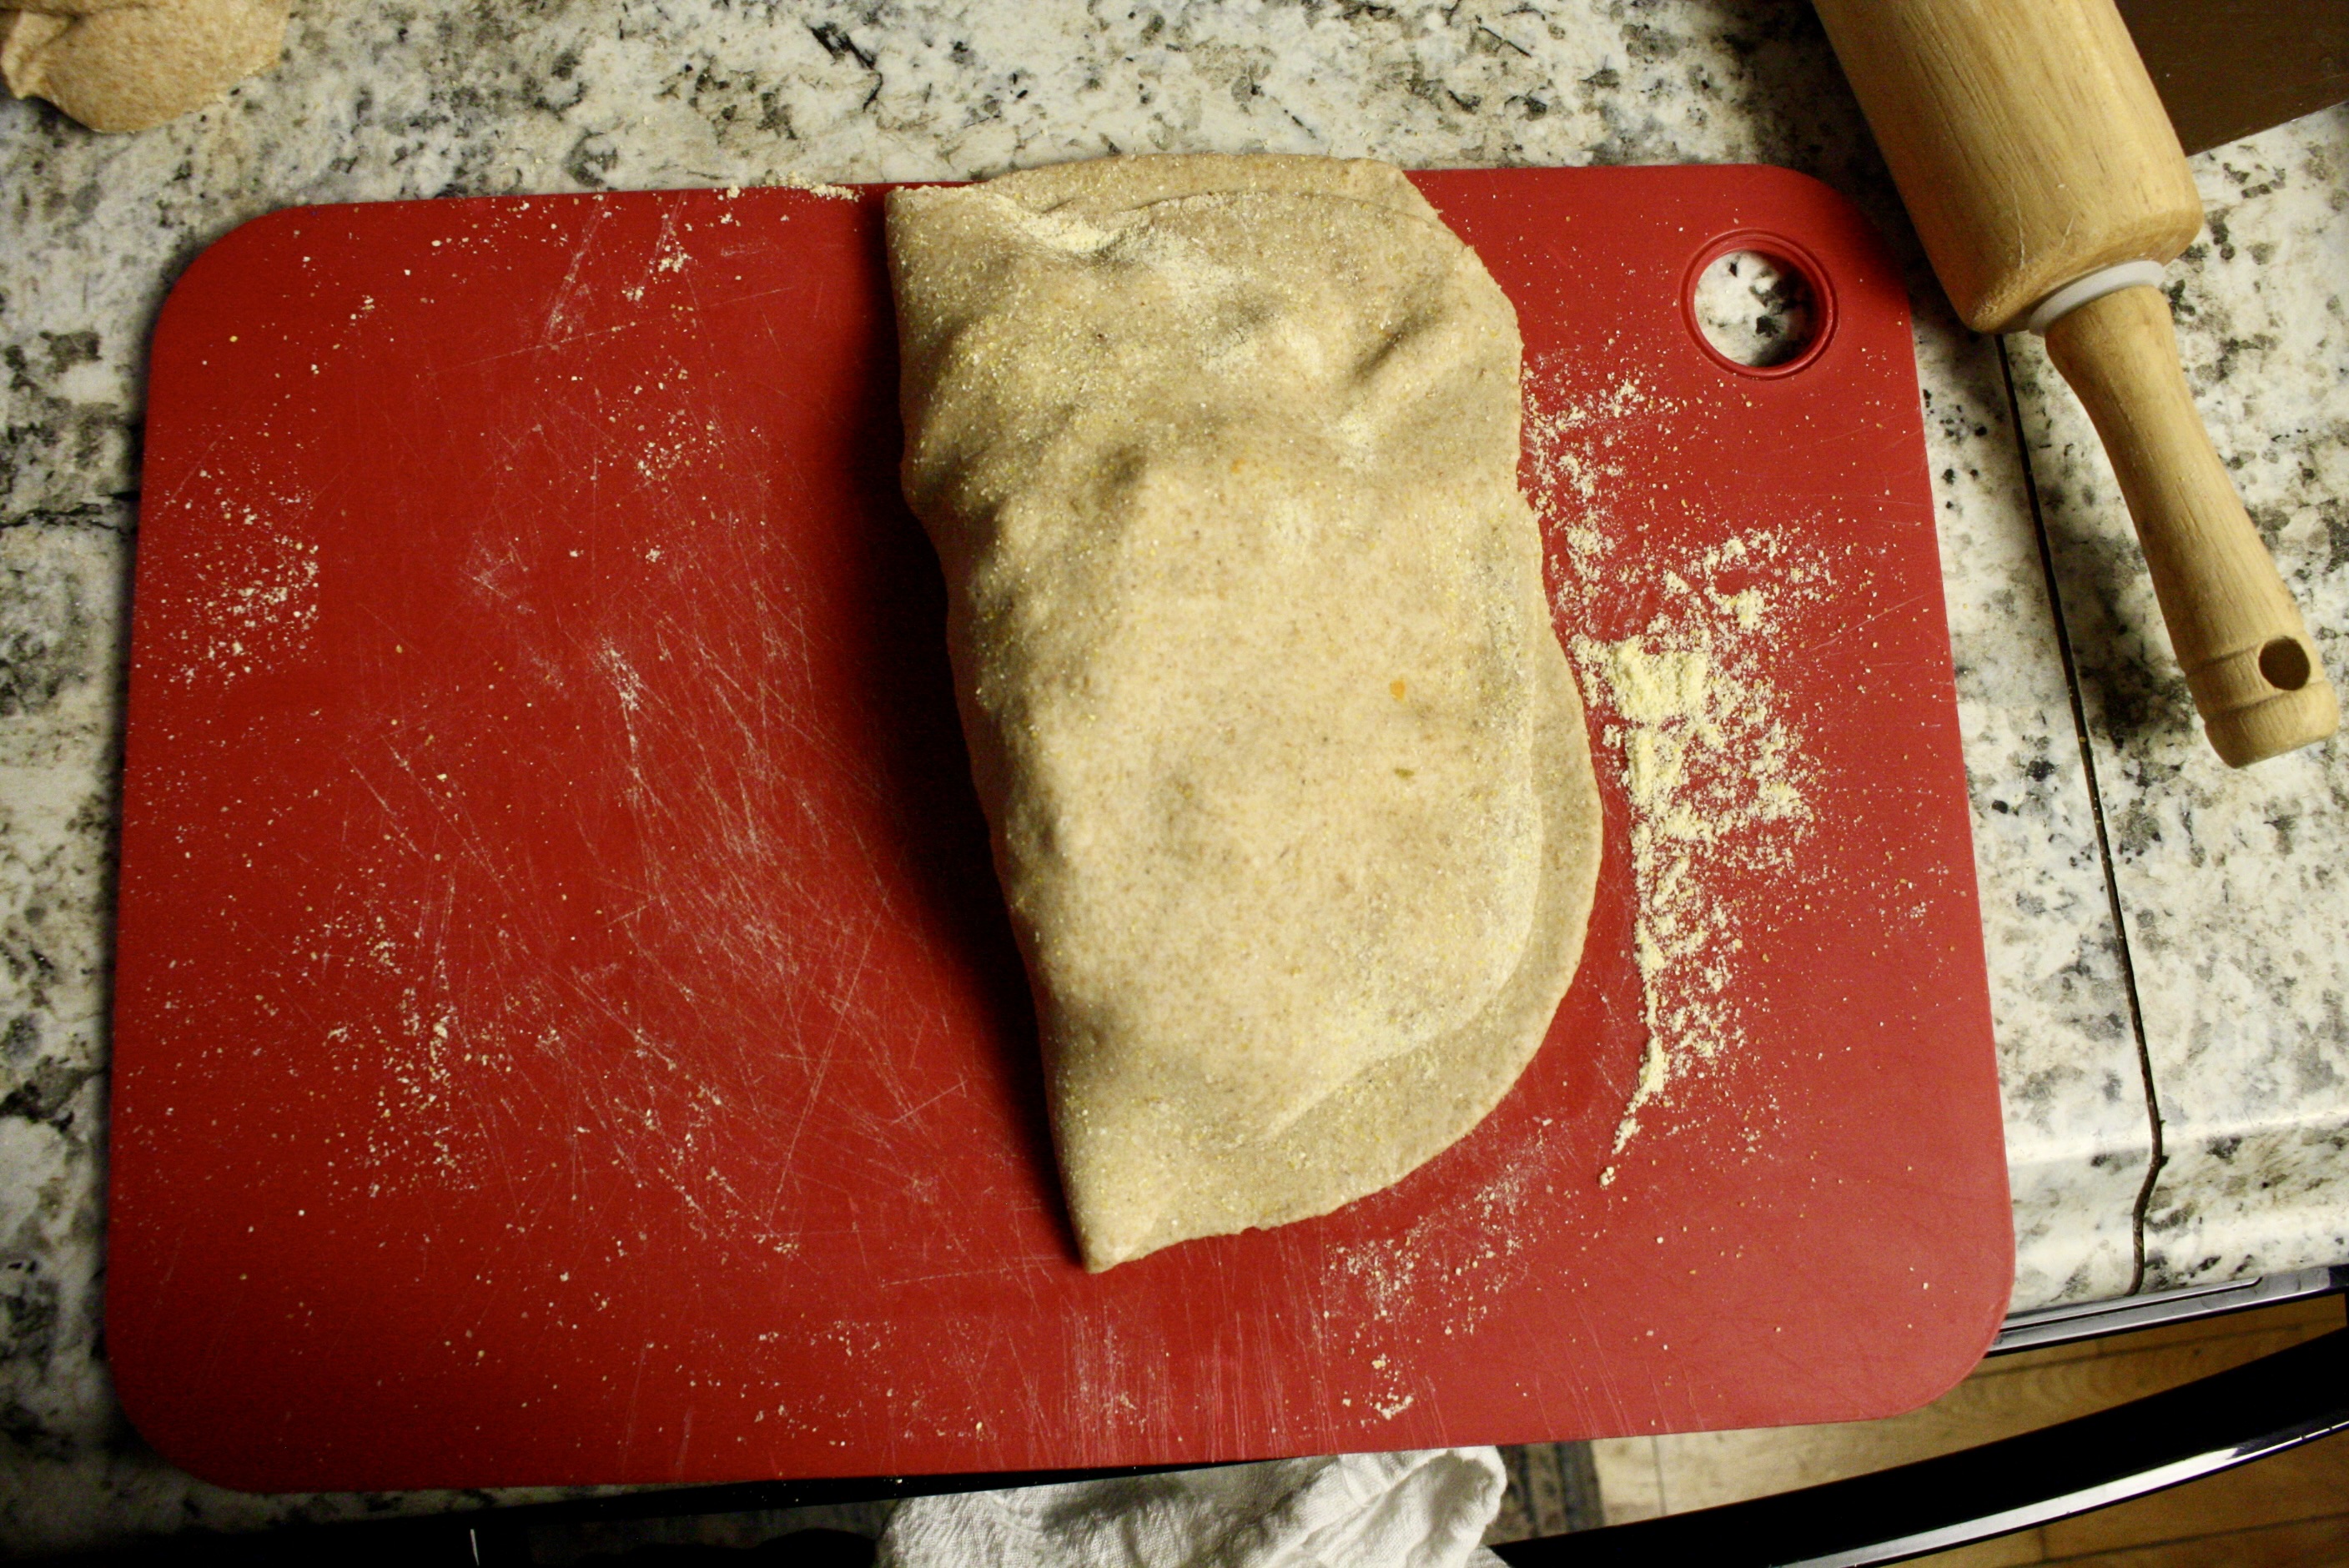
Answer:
(1712, 759)
(259, 602)
(814, 187)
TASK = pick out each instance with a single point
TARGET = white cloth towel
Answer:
(1424, 1508)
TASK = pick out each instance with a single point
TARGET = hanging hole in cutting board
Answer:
(1758, 304)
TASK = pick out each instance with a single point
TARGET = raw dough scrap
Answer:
(127, 65)
(1291, 794)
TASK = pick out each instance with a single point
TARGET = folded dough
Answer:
(127, 65)
(1291, 794)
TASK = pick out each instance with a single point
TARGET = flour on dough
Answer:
(1291, 794)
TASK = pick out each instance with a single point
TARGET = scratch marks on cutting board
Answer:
(643, 944)
(557, 313)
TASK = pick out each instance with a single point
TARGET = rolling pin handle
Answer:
(2247, 657)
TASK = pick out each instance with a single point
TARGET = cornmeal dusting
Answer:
(1713, 764)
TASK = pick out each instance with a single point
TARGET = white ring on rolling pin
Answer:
(2095, 286)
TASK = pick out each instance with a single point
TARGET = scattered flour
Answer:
(814, 188)
(1713, 767)
(259, 603)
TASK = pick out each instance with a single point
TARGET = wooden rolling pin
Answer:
(2049, 190)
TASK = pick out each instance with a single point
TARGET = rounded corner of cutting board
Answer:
(139, 1390)
(204, 274)
(1956, 1357)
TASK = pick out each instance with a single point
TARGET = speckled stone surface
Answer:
(2078, 1136)
(401, 99)
(61, 621)
(2234, 884)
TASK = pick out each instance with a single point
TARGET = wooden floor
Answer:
(2292, 1508)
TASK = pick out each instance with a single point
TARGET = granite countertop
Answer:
(2168, 976)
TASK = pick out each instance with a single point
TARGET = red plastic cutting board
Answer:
(566, 1029)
